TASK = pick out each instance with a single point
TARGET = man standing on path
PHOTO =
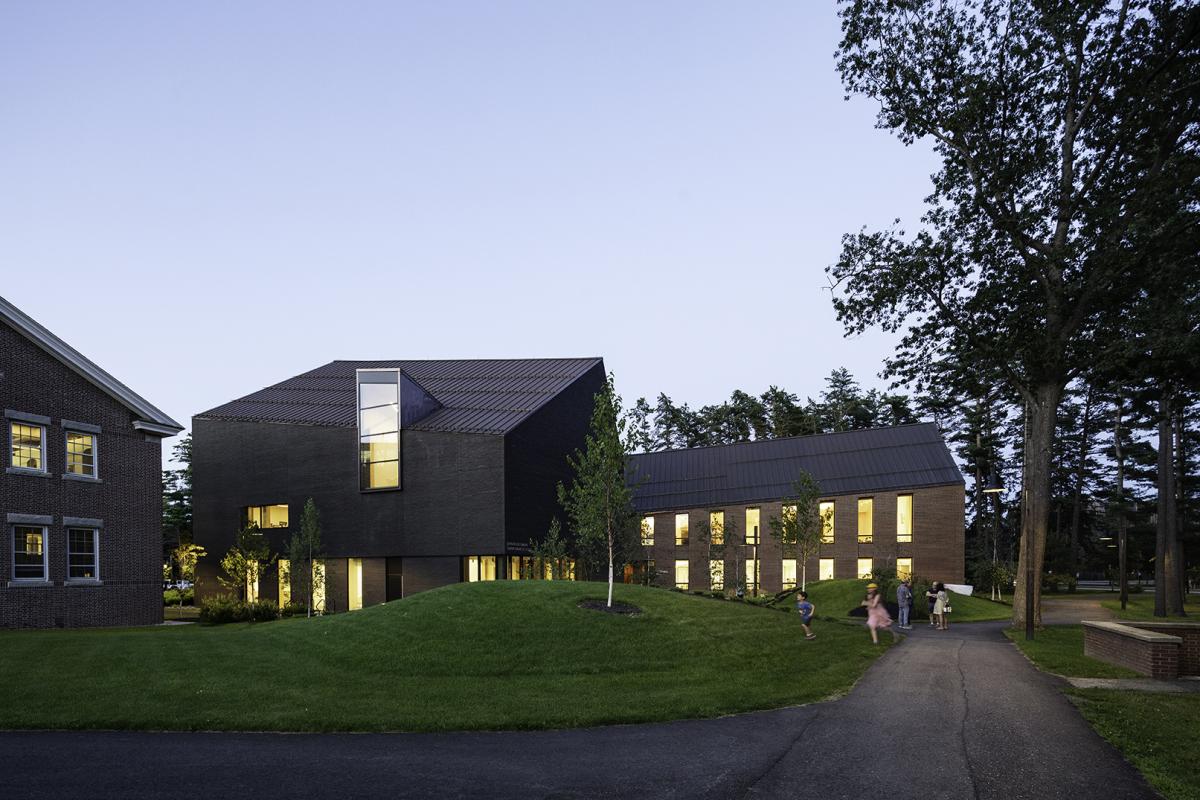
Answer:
(904, 601)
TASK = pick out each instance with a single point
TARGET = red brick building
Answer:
(893, 498)
(81, 488)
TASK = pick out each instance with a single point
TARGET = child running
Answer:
(806, 610)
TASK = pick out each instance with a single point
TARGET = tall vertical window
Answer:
(481, 568)
(826, 511)
(681, 574)
(716, 575)
(28, 446)
(716, 527)
(904, 518)
(318, 586)
(379, 428)
(252, 588)
(825, 569)
(354, 583)
(866, 509)
(29, 553)
(789, 573)
(904, 568)
(681, 530)
(648, 531)
(83, 554)
(864, 568)
(285, 581)
(751, 575)
(752, 520)
(81, 454)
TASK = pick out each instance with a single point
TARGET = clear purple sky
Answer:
(207, 198)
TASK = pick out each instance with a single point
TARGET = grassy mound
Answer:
(468, 656)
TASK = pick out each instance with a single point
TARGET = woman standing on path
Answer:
(877, 615)
(940, 606)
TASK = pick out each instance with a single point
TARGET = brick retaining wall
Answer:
(1162, 650)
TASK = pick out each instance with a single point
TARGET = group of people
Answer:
(937, 598)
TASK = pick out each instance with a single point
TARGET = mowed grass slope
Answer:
(469, 656)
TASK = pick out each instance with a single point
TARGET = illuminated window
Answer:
(83, 554)
(752, 575)
(275, 516)
(318, 586)
(716, 576)
(28, 446)
(864, 568)
(865, 511)
(81, 454)
(789, 573)
(752, 519)
(285, 582)
(904, 519)
(648, 531)
(681, 530)
(825, 569)
(29, 553)
(716, 526)
(681, 574)
(379, 428)
(354, 581)
(826, 512)
(904, 568)
(481, 568)
(252, 582)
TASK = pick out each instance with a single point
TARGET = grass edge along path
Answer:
(481, 656)
(1058, 649)
(1158, 733)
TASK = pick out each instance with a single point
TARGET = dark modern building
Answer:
(893, 497)
(424, 472)
(81, 492)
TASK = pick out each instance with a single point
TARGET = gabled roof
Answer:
(150, 419)
(853, 462)
(476, 396)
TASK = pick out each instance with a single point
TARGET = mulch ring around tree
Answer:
(616, 608)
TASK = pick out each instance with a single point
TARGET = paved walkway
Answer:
(956, 714)
(1072, 609)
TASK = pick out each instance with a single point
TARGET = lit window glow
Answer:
(29, 553)
(904, 568)
(285, 582)
(789, 573)
(274, 516)
(716, 575)
(864, 568)
(752, 521)
(904, 518)
(648, 531)
(681, 574)
(81, 454)
(28, 446)
(826, 511)
(354, 584)
(716, 527)
(866, 507)
(681, 530)
(825, 569)
(379, 429)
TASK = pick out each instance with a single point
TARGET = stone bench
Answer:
(1161, 650)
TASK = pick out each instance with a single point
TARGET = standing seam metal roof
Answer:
(477, 396)
(878, 459)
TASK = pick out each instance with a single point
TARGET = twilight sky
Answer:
(207, 198)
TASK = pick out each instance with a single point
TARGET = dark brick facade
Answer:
(936, 548)
(126, 497)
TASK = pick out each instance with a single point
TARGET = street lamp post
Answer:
(994, 487)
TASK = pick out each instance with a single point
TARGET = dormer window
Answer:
(379, 428)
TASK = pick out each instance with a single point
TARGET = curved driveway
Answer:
(957, 714)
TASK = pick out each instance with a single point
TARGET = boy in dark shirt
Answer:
(806, 609)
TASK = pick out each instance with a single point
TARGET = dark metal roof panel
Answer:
(879, 459)
(477, 396)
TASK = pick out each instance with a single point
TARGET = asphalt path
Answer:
(956, 714)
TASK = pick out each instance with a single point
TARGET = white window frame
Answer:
(12, 538)
(95, 554)
(45, 468)
(95, 476)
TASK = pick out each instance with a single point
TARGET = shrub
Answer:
(293, 609)
(222, 609)
(171, 597)
(263, 611)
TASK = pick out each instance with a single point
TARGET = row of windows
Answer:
(31, 553)
(27, 442)
(866, 509)
(753, 574)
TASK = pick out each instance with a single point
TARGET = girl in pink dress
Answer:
(877, 614)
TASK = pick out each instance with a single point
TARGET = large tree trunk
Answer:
(1080, 474)
(1122, 557)
(1035, 507)
(1166, 545)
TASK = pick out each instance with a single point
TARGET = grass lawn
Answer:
(839, 598)
(1141, 606)
(1059, 649)
(467, 656)
(1158, 733)
(190, 613)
